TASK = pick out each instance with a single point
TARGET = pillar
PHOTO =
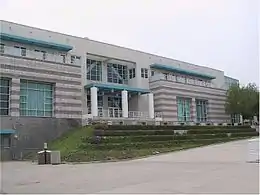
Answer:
(150, 105)
(124, 95)
(193, 110)
(94, 103)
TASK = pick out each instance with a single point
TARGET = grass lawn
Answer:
(73, 148)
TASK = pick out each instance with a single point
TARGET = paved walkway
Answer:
(212, 169)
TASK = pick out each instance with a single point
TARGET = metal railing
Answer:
(39, 55)
(117, 113)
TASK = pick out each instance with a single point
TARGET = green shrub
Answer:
(165, 127)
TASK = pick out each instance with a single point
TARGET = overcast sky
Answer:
(221, 34)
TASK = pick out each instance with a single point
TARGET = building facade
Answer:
(51, 82)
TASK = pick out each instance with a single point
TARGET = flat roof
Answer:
(181, 71)
(7, 131)
(40, 43)
(118, 88)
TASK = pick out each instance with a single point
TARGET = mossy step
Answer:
(154, 144)
(169, 127)
(145, 138)
(170, 132)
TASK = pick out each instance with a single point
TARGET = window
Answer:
(5, 141)
(94, 70)
(165, 76)
(63, 58)
(2, 48)
(114, 101)
(152, 73)
(235, 118)
(44, 54)
(132, 73)
(36, 99)
(183, 109)
(117, 73)
(202, 110)
(74, 59)
(144, 73)
(100, 102)
(23, 50)
(4, 96)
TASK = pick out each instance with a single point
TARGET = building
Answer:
(51, 82)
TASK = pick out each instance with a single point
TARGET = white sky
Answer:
(221, 34)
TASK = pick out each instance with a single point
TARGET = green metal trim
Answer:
(7, 131)
(181, 71)
(40, 43)
(118, 87)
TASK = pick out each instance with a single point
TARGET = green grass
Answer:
(71, 140)
(75, 145)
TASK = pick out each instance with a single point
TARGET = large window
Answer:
(183, 109)
(202, 110)
(117, 73)
(36, 99)
(4, 96)
(94, 70)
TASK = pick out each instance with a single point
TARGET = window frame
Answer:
(144, 73)
(114, 71)
(8, 101)
(95, 74)
(2, 48)
(38, 90)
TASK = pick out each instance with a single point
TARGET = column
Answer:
(193, 110)
(94, 103)
(150, 105)
(124, 95)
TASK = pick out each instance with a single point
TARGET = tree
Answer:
(243, 101)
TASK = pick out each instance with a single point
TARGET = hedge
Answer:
(168, 132)
(147, 138)
(154, 144)
(162, 127)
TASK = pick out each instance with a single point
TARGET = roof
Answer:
(118, 87)
(7, 131)
(40, 43)
(181, 71)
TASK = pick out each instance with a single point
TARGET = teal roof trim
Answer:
(7, 131)
(181, 71)
(40, 43)
(118, 87)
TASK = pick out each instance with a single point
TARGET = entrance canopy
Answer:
(111, 87)
(6, 131)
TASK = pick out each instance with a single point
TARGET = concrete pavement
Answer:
(212, 169)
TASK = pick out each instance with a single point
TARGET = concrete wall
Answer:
(166, 92)
(32, 132)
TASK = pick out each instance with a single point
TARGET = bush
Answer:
(154, 144)
(163, 127)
